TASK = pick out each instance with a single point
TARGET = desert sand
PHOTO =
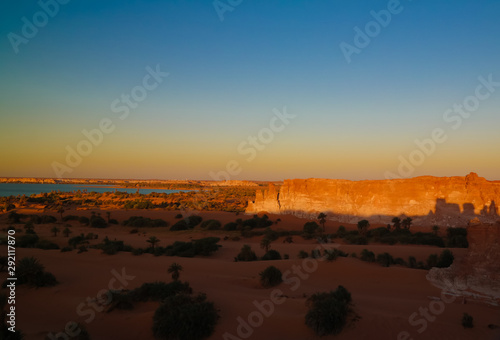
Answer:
(384, 298)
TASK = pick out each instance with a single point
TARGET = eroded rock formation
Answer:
(477, 274)
(446, 201)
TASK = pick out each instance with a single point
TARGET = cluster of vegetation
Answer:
(444, 260)
(201, 247)
(270, 277)
(467, 321)
(328, 254)
(187, 223)
(328, 312)
(139, 203)
(180, 314)
(246, 254)
(398, 233)
(144, 222)
(31, 272)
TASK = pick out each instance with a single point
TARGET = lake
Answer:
(14, 189)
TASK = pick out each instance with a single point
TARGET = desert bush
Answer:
(286, 257)
(303, 254)
(46, 245)
(46, 219)
(258, 222)
(310, 229)
(66, 249)
(341, 231)
(185, 317)
(270, 277)
(367, 255)
(113, 221)
(246, 254)
(137, 251)
(186, 223)
(230, 226)
(30, 271)
(399, 261)
(158, 291)
(445, 259)
(356, 239)
(27, 241)
(385, 259)
(134, 231)
(98, 222)
(467, 321)
(14, 218)
(70, 218)
(139, 204)
(315, 253)
(378, 232)
(178, 216)
(412, 262)
(271, 255)
(77, 240)
(143, 222)
(211, 225)
(328, 312)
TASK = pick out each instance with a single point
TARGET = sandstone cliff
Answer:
(446, 201)
(477, 275)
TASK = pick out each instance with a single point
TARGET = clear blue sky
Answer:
(352, 120)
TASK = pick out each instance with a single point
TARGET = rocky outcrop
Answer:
(477, 274)
(446, 201)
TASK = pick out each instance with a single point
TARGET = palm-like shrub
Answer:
(31, 272)
(175, 270)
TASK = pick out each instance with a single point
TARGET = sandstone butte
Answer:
(443, 201)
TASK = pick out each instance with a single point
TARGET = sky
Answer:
(257, 90)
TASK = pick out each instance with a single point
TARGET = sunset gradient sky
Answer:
(351, 120)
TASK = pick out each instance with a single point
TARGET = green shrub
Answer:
(341, 231)
(27, 241)
(143, 222)
(271, 255)
(270, 277)
(98, 222)
(230, 226)
(46, 219)
(467, 321)
(211, 225)
(399, 261)
(367, 255)
(185, 317)
(385, 259)
(310, 229)
(70, 218)
(31, 272)
(445, 259)
(46, 245)
(246, 254)
(328, 312)
(206, 246)
(77, 240)
(303, 254)
(412, 262)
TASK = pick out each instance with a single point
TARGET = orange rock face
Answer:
(446, 201)
(477, 275)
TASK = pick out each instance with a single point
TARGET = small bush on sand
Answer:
(246, 254)
(270, 277)
(467, 321)
(328, 312)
